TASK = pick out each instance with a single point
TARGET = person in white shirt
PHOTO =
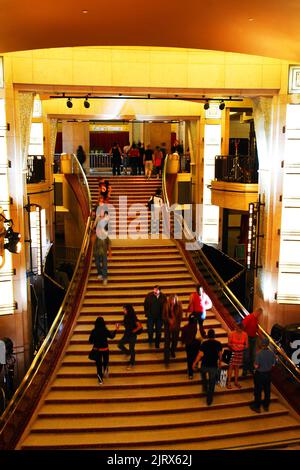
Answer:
(155, 204)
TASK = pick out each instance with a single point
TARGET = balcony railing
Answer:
(35, 169)
(236, 168)
(100, 160)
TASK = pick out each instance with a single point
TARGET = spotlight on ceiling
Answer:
(206, 106)
(222, 105)
(13, 241)
(10, 240)
(86, 103)
(69, 103)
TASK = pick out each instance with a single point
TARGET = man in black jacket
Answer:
(210, 355)
(153, 306)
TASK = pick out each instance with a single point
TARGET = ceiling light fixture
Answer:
(118, 96)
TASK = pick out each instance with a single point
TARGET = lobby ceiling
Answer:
(268, 28)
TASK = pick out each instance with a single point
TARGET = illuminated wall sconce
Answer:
(9, 239)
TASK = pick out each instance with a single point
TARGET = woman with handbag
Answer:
(237, 342)
(132, 328)
(172, 316)
(100, 351)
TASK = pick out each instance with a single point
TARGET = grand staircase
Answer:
(151, 406)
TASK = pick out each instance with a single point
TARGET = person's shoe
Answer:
(105, 281)
(191, 377)
(100, 379)
(254, 408)
(266, 408)
(244, 374)
(209, 400)
(130, 367)
(173, 354)
(106, 373)
(100, 277)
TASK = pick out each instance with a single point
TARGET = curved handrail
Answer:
(164, 182)
(36, 378)
(53, 281)
(83, 175)
(234, 301)
(243, 312)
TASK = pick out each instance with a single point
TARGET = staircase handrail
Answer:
(164, 182)
(20, 407)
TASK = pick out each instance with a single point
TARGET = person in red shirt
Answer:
(199, 302)
(133, 158)
(250, 323)
(237, 342)
(158, 156)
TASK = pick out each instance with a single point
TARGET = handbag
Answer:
(226, 356)
(93, 354)
(139, 328)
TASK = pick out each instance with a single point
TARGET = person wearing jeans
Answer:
(210, 355)
(102, 247)
(263, 365)
(129, 337)
(199, 302)
(251, 327)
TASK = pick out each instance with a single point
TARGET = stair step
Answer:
(142, 292)
(121, 439)
(103, 393)
(82, 337)
(156, 421)
(65, 410)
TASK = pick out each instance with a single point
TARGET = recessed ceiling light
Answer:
(250, 19)
(85, 12)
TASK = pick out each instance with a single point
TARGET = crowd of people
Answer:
(164, 315)
(164, 319)
(137, 159)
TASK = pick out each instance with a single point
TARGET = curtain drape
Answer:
(25, 114)
(262, 113)
(53, 134)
